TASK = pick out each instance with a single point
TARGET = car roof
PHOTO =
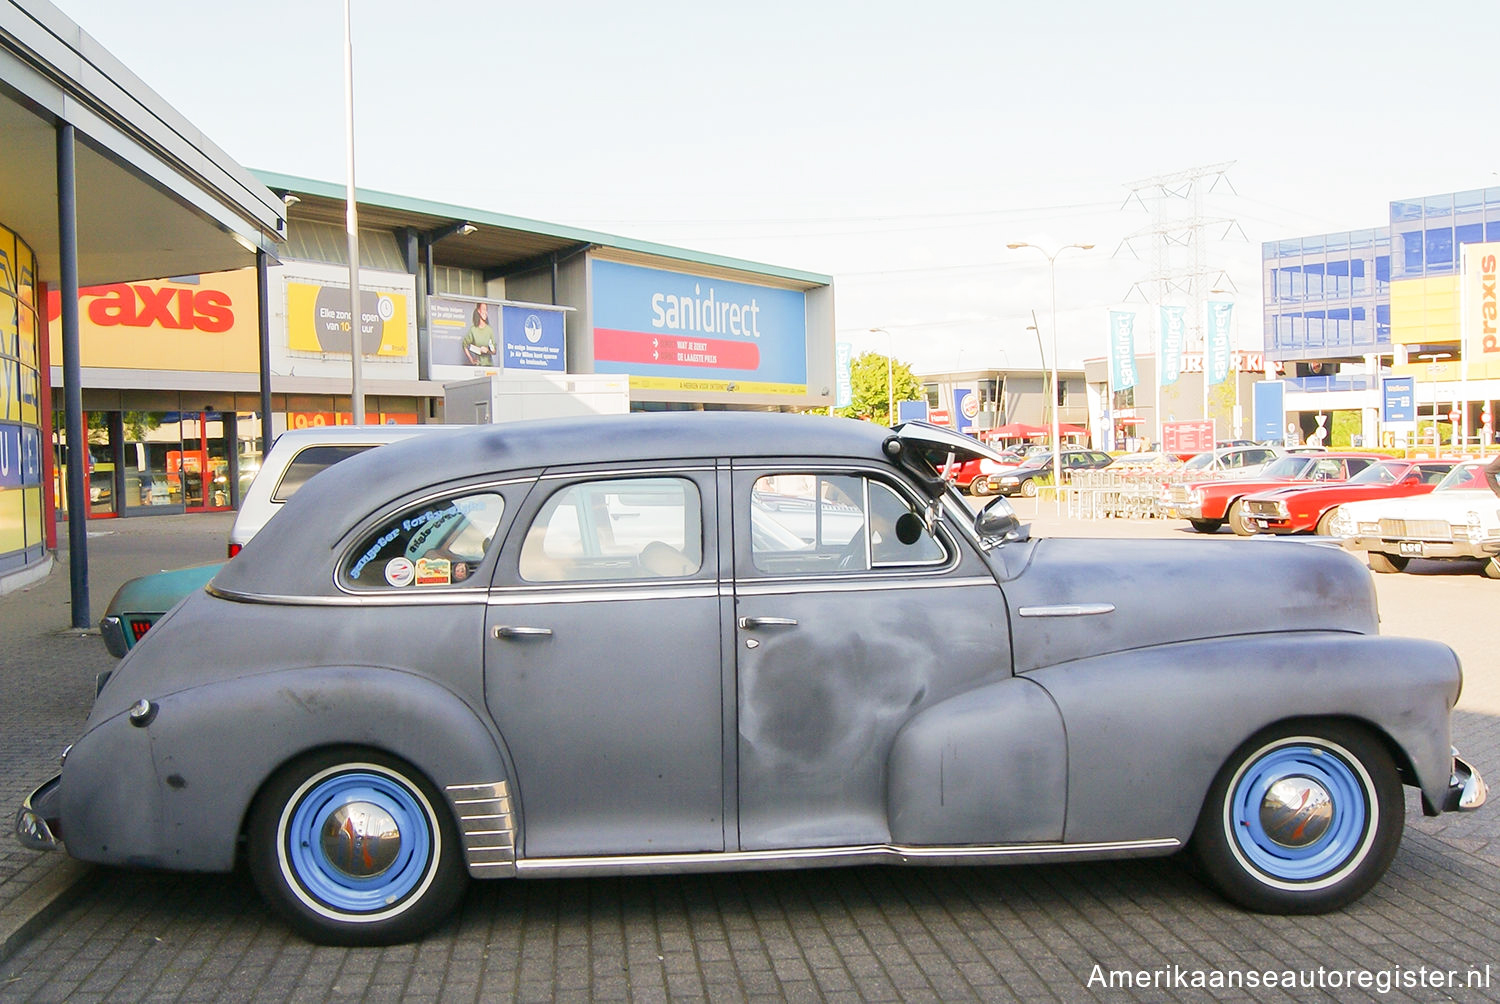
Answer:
(320, 514)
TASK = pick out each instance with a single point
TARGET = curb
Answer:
(26, 915)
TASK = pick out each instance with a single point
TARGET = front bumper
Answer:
(37, 821)
(1466, 789)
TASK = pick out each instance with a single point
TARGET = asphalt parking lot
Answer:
(1144, 930)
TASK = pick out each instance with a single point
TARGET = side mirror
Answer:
(998, 522)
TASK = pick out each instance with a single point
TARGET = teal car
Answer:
(141, 602)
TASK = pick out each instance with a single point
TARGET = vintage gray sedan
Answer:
(698, 642)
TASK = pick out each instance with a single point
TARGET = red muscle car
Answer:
(1310, 508)
(1208, 505)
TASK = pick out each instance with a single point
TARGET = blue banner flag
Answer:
(1122, 349)
(1169, 345)
(1216, 341)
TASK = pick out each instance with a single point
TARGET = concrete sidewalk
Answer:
(47, 672)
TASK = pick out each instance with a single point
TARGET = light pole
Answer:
(1056, 437)
(1433, 358)
(890, 387)
(1040, 355)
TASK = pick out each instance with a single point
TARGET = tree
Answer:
(867, 380)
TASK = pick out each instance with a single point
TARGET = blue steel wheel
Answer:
(1303, 818)
(355, 847)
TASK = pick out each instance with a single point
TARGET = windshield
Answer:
(1286, 467)
(1386, 472)
(1463, 476)
(1201, 462)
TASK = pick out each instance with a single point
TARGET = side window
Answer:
(313, 460)
(819, 523)
(624, 528)
(437, 543)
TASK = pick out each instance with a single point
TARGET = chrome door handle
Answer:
(757, 622)
(513, 631)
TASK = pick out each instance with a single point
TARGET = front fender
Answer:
(174, 793)
(1148, 729)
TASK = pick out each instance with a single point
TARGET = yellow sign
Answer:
(317, 320)
(723, 386)
(1481, 322)
(206, 323)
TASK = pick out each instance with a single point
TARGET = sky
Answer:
(898, 148)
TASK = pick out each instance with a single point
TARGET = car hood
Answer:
(1458, 502)
(1160, 591)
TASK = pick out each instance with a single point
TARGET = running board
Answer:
(833, 857)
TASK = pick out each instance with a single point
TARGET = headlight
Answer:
(1195, 497)
(1009, 480)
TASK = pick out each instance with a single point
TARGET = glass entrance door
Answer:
(203, 463)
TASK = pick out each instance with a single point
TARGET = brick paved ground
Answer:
(1029, 933)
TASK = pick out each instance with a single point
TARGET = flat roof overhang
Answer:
(155, 198)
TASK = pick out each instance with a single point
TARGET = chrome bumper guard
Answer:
(112, 630)
(36, 822)
(1466, 789)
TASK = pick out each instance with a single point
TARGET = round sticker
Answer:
(400, 571)
(533, 328)
(386, 308)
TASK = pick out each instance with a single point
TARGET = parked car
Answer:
(1237, 460)
(296, 455)
(1208, 505)
(1310, 508)
(1022, 479)
(582, 647)
(1459, 519)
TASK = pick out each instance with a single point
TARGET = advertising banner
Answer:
(1398, 399)
(533, 336)
(1217, 340)
(844, 382)
(1269, 416)
(1481, 321)
(676, 331)
(965, 408)
(1171, 338)
(317, 320)
(1187, 437)
(1122, 349)
(202, 323)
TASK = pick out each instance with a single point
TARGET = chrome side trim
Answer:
(509, 596)
(824, 857)
(855, 583)
(596, 473)
(390, 599)
(487, 826)
(1068, 610)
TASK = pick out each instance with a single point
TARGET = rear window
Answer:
(310, 461)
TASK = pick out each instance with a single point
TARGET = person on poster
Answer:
(479, 341)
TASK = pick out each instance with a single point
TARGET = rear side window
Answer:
(437, 543)
(310, 461)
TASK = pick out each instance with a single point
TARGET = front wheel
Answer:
(1028, 488)
(354, 847)
(1303, 818)
(1383, 563)
(1492, 568)
(980, 487)
(1238, 521)
(1325, 523)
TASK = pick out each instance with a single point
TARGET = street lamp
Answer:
(1039, 354)
(1433, 358)
(890, 387)
(1056, 436)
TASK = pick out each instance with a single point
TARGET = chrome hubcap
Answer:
(361, 839)
(1296, 811)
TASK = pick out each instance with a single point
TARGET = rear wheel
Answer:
(1382, 562)
(1206, 525)
(1303, 818)
(354, 847)
(1325, 523)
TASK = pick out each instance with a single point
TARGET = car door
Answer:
(603, 668)
(843, 636)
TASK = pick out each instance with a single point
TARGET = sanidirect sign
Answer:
(675, 331)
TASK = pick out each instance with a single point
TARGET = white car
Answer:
(1460, 518)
